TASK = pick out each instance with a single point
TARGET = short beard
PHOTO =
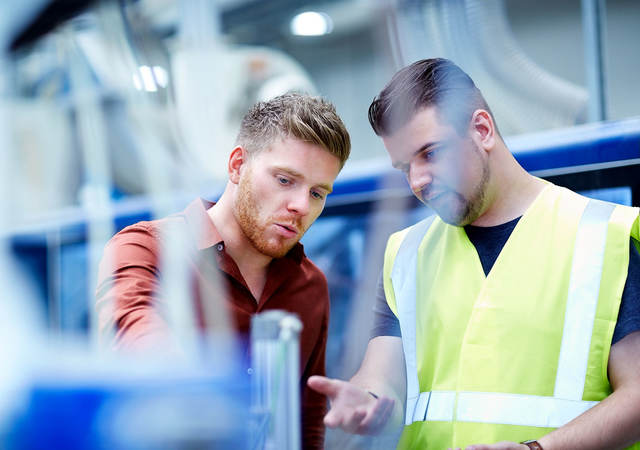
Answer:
(472, 207)
(247, 215)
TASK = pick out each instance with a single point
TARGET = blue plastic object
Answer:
(156, 413)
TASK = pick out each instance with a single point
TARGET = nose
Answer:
(299, 202)
(420, 178)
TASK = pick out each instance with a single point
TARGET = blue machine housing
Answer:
(602, 158)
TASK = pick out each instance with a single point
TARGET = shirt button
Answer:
(220, 247)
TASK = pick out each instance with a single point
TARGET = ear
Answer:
(483, 130)
(237, 159)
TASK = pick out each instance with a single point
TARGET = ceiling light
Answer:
(311, 23)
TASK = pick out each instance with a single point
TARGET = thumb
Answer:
(324, 385)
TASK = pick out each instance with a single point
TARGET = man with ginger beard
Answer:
(287, 155)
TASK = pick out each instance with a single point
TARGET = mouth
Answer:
(287, 230)
(432, 196)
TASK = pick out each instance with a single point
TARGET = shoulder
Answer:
(145, 234)
(415, 233)
(395, 240)
(140, 241)
(135, 244)
(621, 217)
(310, 271)
(571, 196)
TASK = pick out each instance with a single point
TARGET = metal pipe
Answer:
(594, 28)
(275, 356)
(92, 137)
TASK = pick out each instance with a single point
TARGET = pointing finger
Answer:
(323, 385)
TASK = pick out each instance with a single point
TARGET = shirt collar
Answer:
(206, 234)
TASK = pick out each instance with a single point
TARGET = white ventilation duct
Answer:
(216, 85)
(476, 35)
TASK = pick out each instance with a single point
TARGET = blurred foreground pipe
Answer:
(275, 358)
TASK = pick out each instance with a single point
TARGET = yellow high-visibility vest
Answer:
(523, 350)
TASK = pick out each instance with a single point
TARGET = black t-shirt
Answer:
(488, 242)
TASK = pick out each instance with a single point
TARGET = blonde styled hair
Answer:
(293, 115)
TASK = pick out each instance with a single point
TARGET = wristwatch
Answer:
(533, 444)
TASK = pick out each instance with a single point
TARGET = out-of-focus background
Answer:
(123, 110)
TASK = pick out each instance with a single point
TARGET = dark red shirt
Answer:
(127, 295)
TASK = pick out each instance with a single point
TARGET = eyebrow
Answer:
(296, 174)
(427, 146)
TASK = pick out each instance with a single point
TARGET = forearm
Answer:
(127, 305)
(615, 422)
(385, 379)
(143, 331)
(376, 385)
(612, 424)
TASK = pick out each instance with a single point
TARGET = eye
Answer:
(283, 180)
(428, 155)
(435, 151)
(317, 195)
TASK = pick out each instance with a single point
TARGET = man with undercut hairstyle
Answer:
(508, 320)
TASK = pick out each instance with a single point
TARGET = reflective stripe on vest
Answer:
(404, 285)
(506, 408)
(496, 407)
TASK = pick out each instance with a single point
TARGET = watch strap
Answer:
(533, 445)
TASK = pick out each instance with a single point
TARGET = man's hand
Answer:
(353, 409)
(504, 445)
